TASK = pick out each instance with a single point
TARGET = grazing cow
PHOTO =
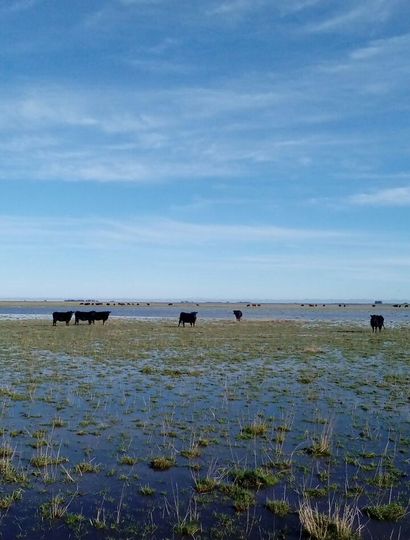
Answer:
(62, 316)
(377, 322)
(187, 318)
(101, 316)
(84, 316)
(238, 314)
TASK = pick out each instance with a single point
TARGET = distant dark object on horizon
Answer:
(187, 318)
(238, 314)
(376, 322)
(62, 316)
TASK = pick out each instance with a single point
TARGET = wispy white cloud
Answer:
(15, 6)
(354, 264)
(154, 231)
(353, 14)
(240, 8)
(398, 196)
(157, 65)
(139, 2)
(281, 122)
(236, 7)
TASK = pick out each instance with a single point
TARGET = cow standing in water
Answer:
(187, 318)
(62, 316)
(238, 314)
(377, 322)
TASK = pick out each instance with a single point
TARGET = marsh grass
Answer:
(393, 511)
(46, 460)
(278, 507)
(8, 500)
(186, 517)
(86, 467)
(206, 485)
(322, 444)
(242, 498)
(254, 478)
(191, 453)
(336, 524)
(256, 408)
(162, 463)
(258, 428)
(128, 460)
(56, 508)
(147, 491)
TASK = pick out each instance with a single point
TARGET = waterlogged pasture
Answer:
(227, 430)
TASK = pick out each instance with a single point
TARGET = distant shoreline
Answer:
(192, 304)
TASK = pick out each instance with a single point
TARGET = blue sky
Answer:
(215, 149)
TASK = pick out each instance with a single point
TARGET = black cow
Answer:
(377, 322)
(238, 314)
(84, 316)
(101, 316)
(62, 316)
(187, 318)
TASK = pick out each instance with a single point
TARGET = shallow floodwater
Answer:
(85, 410)
(358, 313)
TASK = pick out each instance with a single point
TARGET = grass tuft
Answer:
(386, 512)
(162, 463)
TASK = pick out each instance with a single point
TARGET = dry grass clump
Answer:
(337, 524)
(322, 445)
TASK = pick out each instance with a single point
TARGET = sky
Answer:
(205, 149)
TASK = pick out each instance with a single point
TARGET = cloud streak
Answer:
(356, 14)
(17, 6)
(398, 196)
(152, 231)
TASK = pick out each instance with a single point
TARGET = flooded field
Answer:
(257, 429)
(394, 314)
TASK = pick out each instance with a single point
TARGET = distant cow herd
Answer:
(376, 321)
